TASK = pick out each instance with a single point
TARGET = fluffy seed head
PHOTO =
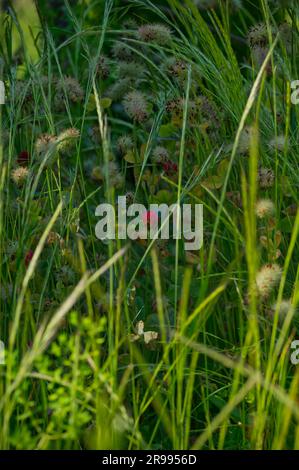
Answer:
(67, 140)
(124, 144)
(258, 35)
(157, 33)
(160, 155)
(45, 143)
(118, 90)
(283, 308)
(267, 278)
(136, 106)
(278, 143)
(68, 86)
(264, 208)
(19, 175)
(266, 178)
(103, 68)
(131, 69)
(122, 52)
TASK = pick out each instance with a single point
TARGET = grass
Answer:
(213, 370)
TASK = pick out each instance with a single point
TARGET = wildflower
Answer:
(103, 69)
(170, 168)
(136, 106)
(176, 68)
(245, 138)
(124, 144)
(96, 174)
(278, 143)
(23, 91)
(45, 147)
(68, 87)
(264, 208)
(19, 175)
(131, 70)
(259, 55)
(118, 90)
(235, 198)
(129, 23)
(267, 278)
(285, 32)
(157, 33)
(150, 218)
(258, 35)
(160, 155)
(121, 51)
(53, 238)
(28, 257)
(283, 308)
(23, 158)
(67, 140)
(265, 178)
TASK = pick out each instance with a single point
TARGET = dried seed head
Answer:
(283, 308)
(121, 51)
(118, 90)
(19, 175)
(267, 278)
(45, 143)
(103, 68)
(124, 144)
(160, 155)
(53, 238)
(67, 140)
(266, 178)
(258, 36)
(136, 106)
(265, 208)
(70, 87)
(157, 33)
(278, 143)
(131, 70)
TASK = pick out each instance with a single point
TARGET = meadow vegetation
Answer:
(142, 344)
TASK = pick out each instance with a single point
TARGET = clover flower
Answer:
(45, 143)
(266, 178)
(19, 175)
(136, 106)
(70, 87)
(258, 35)
(28, 257)
(53, 238)
(160, 154)
(157, 33)
(283, 308)
(121, 51)
(131, 70)
(67, 140)
(103, 68)
(278, 143)
(265, 208)
(267, 278)
(23, 158)
(118, 90)
(124, 144)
